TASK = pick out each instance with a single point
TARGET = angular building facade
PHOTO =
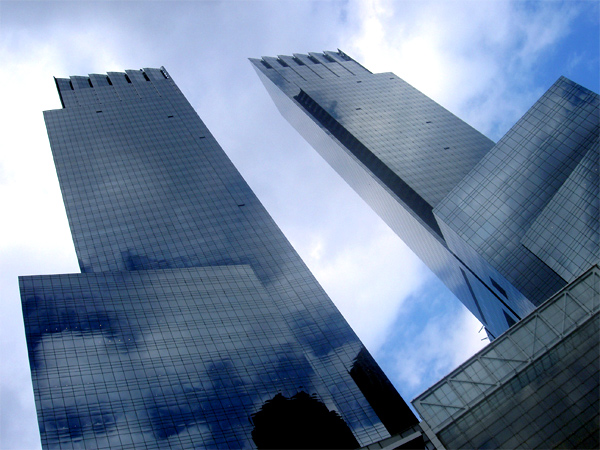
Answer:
(526, 217)
(503, 225)
(193, 322)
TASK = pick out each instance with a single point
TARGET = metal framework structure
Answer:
(511, 353)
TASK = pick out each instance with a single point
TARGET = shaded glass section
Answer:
(192, 310)
(380, 170)
(565, 235)
(552, 404)
(382, 396)
(300, 422)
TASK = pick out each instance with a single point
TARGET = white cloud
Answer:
(478, 59)
(34, 230)
(443, 344)
(370, 282)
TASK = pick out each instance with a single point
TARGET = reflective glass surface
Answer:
(193, 315)
(503, 226)
(536, 386)
(398, 149)
(528, 212)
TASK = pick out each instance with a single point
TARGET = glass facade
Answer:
(528, 212)
(194, 323)
(503, 225)
(536, 386)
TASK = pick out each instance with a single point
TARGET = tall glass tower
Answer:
(193, 322)
(503, 225)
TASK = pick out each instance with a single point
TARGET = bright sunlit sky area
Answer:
(485, 61)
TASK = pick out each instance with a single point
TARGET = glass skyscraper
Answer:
(193, 322)
(503, 225)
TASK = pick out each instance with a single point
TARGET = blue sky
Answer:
(486, 61)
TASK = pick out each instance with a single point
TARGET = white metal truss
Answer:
(512, 352)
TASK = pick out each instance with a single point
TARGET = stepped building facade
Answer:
(193, 322)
